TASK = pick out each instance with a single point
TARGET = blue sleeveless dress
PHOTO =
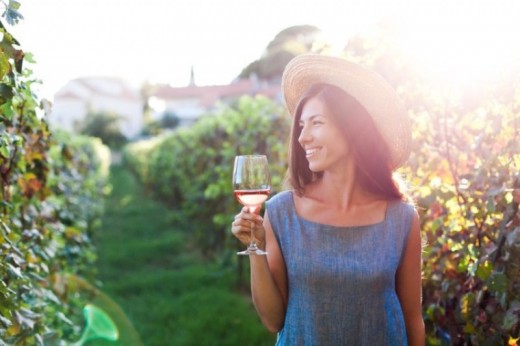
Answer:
(341, 280)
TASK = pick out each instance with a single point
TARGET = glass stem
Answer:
(252, 242)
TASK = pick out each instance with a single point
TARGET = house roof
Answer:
(206, 96)
(209, 95)
(84, 88)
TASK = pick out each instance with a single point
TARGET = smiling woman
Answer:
(465, 43)
(343, 232)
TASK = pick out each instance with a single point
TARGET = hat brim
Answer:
(371, 90)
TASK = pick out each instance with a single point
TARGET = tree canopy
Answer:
(283, 47)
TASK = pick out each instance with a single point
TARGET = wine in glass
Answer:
(252, 185)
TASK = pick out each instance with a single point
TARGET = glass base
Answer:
(252, 250)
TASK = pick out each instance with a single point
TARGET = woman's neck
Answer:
(339, 191)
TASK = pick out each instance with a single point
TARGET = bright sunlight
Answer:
(467, 42)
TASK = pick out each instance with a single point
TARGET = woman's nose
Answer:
(304, 136)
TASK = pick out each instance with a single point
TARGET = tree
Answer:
(168, 121)
(286, 45)
(104, 125)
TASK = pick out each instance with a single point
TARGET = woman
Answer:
(344, 249)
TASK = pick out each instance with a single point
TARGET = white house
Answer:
(82, 96)
(97, 94)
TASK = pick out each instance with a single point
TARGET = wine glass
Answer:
(252, 185)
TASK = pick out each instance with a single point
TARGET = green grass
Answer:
(167, 290)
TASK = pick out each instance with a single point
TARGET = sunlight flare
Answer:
(464, 43)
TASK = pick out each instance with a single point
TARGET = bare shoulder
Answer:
(414, 238)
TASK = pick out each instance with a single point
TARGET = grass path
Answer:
(171, 294)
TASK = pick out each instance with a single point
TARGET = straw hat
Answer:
(370, 89)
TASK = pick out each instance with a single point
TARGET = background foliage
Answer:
(104, 125)
(465, 166)
(285, 45)
(50, 187)
(190, 169)
(463, 170)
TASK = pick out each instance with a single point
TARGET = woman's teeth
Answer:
(312, 151)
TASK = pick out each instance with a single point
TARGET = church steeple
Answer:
(192, 76)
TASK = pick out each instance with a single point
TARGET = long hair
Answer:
(371, 154)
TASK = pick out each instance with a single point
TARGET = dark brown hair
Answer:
(371, 153)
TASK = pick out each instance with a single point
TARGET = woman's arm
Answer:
(268, 273)
(409, 286)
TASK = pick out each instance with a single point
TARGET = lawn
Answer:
(171, 294)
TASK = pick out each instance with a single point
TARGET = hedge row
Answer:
(50, 187)
(49, 212)
(190, 168)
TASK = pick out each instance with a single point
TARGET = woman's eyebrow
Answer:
(312, 117)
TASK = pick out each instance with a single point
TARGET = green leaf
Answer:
(5, 67)
(5, 228)
(26, 318)
(466, 305)
(469, 328)
(484, 270)
(6, 110)
(15, 5)
(497, 282)
(512, 316)
(6, 322)
(5, 150)
(6, 91)
(491, 204)
(14, 272)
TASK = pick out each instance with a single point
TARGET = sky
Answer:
(160, 40)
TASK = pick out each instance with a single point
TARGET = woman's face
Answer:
(325, 145)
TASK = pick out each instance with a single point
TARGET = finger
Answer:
(249, 217)
(243, 236)
(241, 233)
(243, 211)
(241, 225)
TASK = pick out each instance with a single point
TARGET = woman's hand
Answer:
(242, 225)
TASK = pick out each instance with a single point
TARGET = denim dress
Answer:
(341, 280)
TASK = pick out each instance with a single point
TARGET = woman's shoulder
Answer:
(282, 198)
(402, 212)
(405, 206)
(278, 208)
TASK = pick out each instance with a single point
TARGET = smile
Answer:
(311, 151)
